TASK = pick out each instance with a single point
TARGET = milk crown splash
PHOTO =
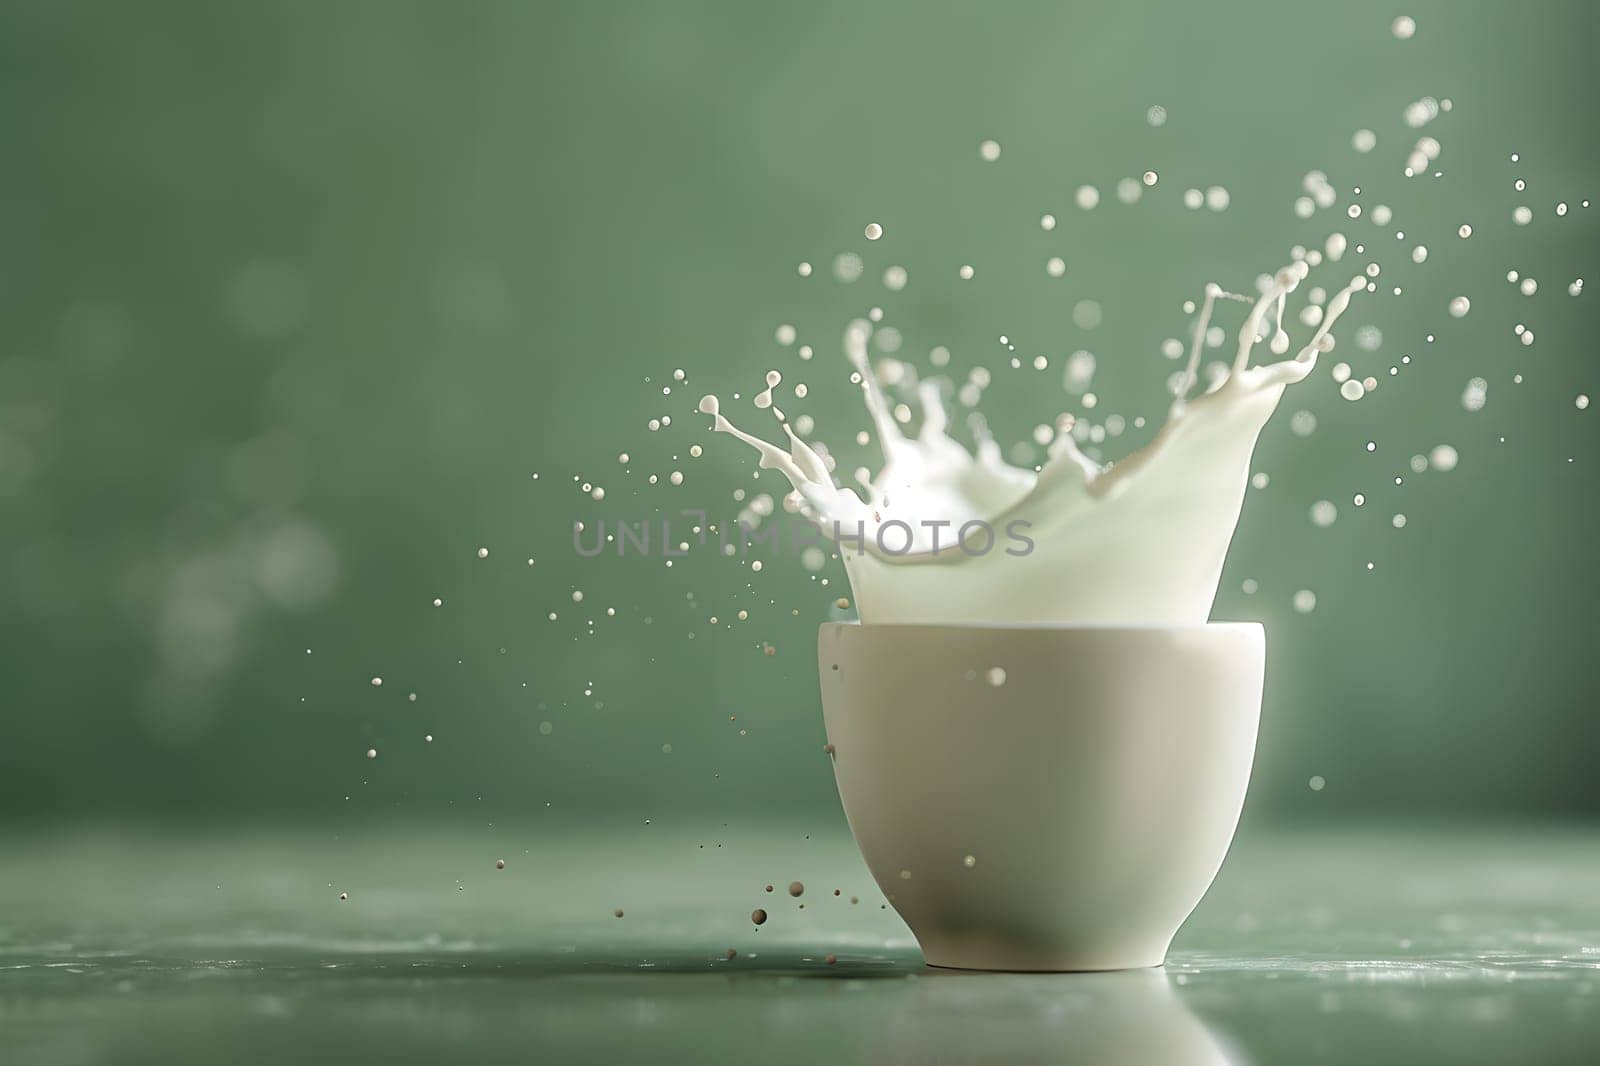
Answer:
(1141, 541)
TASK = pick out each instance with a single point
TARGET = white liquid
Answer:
(1139, 542)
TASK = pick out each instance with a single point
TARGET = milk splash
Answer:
(1141, 541)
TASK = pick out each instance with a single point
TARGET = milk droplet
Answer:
(1421, 112)
(1305, 601)
(1317, 783)
(1443, 457)
(966, 272)
(1156, 116)
(1475, 395)
(847, 267)
(873, 231)
(1364, 140)
(483, 553)
(996, 676)
(1055, 266)
(1459, 307)
(1465, 231)
(894, 278)
(1522, 215)
(1419, 254)
(1047, 222)
(1582, 402)
(372, 753)
(1087, 197)
(989, 151)
(1324, 513)
(1403, 28)
(1352, 390)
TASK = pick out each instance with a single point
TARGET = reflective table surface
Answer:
(406, 943)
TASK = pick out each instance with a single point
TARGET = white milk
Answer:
(1138, 542)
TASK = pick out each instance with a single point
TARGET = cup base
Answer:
(983, 955)
(1042, 969)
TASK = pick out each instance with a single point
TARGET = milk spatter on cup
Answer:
(941, 534)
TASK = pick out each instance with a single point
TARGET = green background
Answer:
(296, 298)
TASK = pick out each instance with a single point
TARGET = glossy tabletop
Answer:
(122, 944)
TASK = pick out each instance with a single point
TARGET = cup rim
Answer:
(1035, 627)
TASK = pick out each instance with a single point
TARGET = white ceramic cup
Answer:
(1042, 798)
